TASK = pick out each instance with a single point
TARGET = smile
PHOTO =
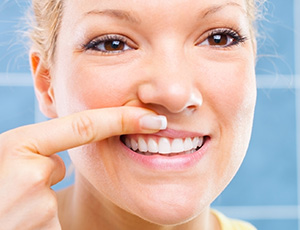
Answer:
(162, 145)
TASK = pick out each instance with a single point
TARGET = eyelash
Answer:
(233, 34)
(92, 45)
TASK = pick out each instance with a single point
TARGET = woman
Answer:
(155, 102)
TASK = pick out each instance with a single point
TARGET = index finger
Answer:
(81, 128)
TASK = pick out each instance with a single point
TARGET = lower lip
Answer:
(178, 162)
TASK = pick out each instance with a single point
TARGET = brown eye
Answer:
(109, 44)
(220, 40)
(114, 45)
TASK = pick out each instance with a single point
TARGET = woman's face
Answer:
(157, 54)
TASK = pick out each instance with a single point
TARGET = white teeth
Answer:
(127, 142)
(134, 145)
(164, 145)
(188, 144)
(152, 146)
(195, 142)
(177, 146)
(200, 142)
(143, 147)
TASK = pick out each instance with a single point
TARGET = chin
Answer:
(172, 211)
(170, 217)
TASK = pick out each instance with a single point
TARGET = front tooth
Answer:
(164, 146)
(134, 145)
(188, 144)
(142, 145)
(152, 146)
(177, 146)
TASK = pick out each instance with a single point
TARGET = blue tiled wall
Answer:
(17, 107)
(265, 190)
(268, 174)
(276, 224)
(13, 45)
(276, 41)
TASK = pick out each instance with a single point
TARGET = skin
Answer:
(100, 96)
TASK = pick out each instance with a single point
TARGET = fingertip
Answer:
(153, 122)
(164, 122)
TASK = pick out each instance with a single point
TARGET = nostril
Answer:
(194, 102)
(191, 107)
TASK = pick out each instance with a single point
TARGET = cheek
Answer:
(89, 87)
(233, 94)
(231, 98)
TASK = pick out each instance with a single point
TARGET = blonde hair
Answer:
(47, 16)
(45, 24)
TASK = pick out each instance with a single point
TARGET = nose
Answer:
(171, 83)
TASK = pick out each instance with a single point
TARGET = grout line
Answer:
(15, 79)
(276, 82)
(297, 101)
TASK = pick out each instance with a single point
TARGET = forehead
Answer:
(143, 8)
(156, 17)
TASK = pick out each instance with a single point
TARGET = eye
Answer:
(109, 44)
(221, 38)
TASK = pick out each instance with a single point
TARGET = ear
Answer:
(42, 85)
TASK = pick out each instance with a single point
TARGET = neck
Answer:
(83, 207)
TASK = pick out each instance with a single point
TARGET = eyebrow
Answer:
(130, 17)
(217, 8)
(120, 14)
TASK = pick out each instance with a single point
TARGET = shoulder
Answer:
(232, 224)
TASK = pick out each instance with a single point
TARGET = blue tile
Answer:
(276, 47)
(17, 107)
(275, 224)
(13, 46)
(268, 175)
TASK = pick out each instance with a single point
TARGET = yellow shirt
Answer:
(231, 224)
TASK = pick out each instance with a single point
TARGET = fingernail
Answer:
(153, 122)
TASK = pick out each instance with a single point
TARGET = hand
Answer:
(29, 165)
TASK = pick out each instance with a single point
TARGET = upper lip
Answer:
(171, 133)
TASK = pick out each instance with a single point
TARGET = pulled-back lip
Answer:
(176, 162)
(171, 133)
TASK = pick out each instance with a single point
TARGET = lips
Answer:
(152, 145)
